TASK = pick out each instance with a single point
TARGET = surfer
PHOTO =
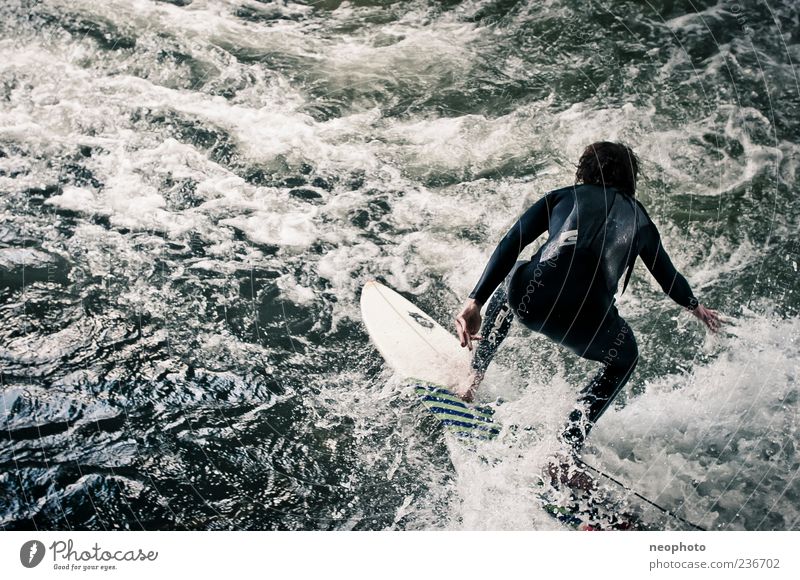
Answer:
(566, 291)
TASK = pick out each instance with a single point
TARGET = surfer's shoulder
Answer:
(552, 196)
(642, 209)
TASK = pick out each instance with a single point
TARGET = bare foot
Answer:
(468, 394)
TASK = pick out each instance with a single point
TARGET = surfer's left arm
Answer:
(528, 227)
(672, 282)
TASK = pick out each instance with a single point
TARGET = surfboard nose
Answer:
(410, 341)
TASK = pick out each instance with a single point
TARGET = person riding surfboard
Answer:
(597, 228)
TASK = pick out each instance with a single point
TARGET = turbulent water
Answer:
(192, 193)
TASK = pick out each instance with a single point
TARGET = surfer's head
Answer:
(607, 163)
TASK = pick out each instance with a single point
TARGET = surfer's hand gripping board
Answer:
(427, 357)
(468, 323)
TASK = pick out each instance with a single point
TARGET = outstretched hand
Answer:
(708, 317)
(468, 323)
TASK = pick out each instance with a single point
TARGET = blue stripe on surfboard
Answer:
(455, 403)
(435, 402)
(443, 411)
(433, 397)
(441, 393)
(434, 408)
(477, 412)
(447, 395)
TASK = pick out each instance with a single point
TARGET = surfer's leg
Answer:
(616, 349)
(496, 324)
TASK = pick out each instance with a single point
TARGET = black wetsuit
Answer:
(566, 291)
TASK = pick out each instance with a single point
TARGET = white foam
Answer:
(79, 199)
(295, 292)
(718, 441)
(289, 229)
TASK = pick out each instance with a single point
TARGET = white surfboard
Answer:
(411, 342)
(426, 356)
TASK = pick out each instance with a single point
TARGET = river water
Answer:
(193, 192)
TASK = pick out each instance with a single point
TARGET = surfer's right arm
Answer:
(530, 226)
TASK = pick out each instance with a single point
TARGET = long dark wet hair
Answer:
(607, 163)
